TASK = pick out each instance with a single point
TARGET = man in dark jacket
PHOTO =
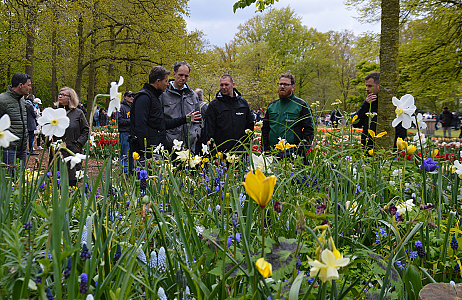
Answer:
(124, 132)
(367, 113)
(13, 104)
(288, 117)
(228, 116)
(147, 122)
(446, 119)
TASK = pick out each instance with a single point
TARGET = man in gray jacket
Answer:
(12, 103)
(178, 100)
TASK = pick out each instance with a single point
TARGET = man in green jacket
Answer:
(288, 117)
(12, 103)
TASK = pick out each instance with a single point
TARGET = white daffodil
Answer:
(261, 162)
(458, 168)
(371, 114)
(259, 123)
(402, 207)
(205, 149)
(248, 131)
(404, 109)
(54, 122)
(232, 158)
(92, 140)
(194, 161)
(79, 174)
(177, 144)
(57, 144)
(159, 149)
(183, 155)
(419, 121)
(422, 138)
(5, 135)
(114, 104)
(327, 269)
(77, 158)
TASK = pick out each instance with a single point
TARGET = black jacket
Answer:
(147, 121)
(400, 131)
(227, 119)
(446, 118)
(124, 117)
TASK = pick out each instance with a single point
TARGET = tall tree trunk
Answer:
(80, 55)
(54, 49)
(111, 65)
(30, 39)
(389, 72)
(91, 78)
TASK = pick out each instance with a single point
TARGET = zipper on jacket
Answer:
(23, 126)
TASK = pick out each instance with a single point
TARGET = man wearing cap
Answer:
(124, 131)
(38, 131)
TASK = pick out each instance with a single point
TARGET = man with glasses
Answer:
(13, 104)
(288, 117)
(124, 132)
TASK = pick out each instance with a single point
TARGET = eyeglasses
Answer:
(284, 84)
(130, 96)
(63, 95)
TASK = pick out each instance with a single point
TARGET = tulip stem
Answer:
(263, 232)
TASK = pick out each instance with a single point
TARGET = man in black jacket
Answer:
(367, 113)
(124, 132)
(228, 116)
(147, 122)
(446, 119)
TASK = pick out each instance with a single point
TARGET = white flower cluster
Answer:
(141, 256)
(158, 261)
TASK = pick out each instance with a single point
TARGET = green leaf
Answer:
(412, 281)
(295, 289)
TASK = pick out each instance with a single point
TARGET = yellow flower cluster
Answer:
(403, 145)
(283, 145)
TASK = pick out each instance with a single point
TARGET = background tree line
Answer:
(87, 44)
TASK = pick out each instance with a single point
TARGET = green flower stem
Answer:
(263, 232)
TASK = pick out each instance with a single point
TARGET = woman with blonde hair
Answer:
(76, 134)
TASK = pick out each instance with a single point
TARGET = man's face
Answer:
(285, 87)
(129, 99)
(371, 87)
(181, 76)
(24, 88)
(162, 84)
(226, 86)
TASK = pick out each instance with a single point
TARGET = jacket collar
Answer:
(290, 98)
(13, 93)
(235, 92)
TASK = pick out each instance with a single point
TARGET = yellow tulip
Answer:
(136, 156)
(259, 187)
(411, 149)
(374, 137)
(371, 152)
(355, 117)
(283, 145)
(264, 267)
(434, 153)
(402, 145)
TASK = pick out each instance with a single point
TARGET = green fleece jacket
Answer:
(14, 105)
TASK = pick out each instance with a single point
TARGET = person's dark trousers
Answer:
(125, 152)
(9, 156)
(31, 141)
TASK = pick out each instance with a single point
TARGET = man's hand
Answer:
(195, 116)
(371, 98)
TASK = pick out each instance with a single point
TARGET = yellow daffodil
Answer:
(329, 266)
(219, 155)
(205, 160)
(355, 117)
(264, 267)
(259, 187)
(283, 145)
(374, 137)
(370, 152)
(136, 156)
(334, 249)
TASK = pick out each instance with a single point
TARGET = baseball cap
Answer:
(38, 101)
(128, 93)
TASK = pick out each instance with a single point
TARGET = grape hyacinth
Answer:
(153, 260)
(161, 260)
(454, 243)
(161, 294)
(85, 254)
(38, 280)
(141, 256)
(457, 268)
(67, 271)
(84, 235)
(49, 294)
(83, 283)
(143, 182)
(420, 250)
(117, 254)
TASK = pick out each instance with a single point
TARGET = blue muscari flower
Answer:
(128, 203)
(358, 189)
(238, 237)
(27, 226)
(58, 174)
(49, 294)
(413, 255)
(49, 174)
(418, 244)
(235, 220)
(67, 271)
(138, 169)
(38, 280)
(43, 186)
(457, 268)
(400, 265)
(85, 254)
(229, 242)
(454, 243)
(162, 260)
(117, 254)
(83, 283)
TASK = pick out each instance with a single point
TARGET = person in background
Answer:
(76, 134)
(124, 132)
(203, 136)
(31, 123)
(96, 116)
(38, 130)
(446, 119)
(103, 118)
(82, 108)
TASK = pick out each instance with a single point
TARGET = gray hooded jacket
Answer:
(177, 104)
